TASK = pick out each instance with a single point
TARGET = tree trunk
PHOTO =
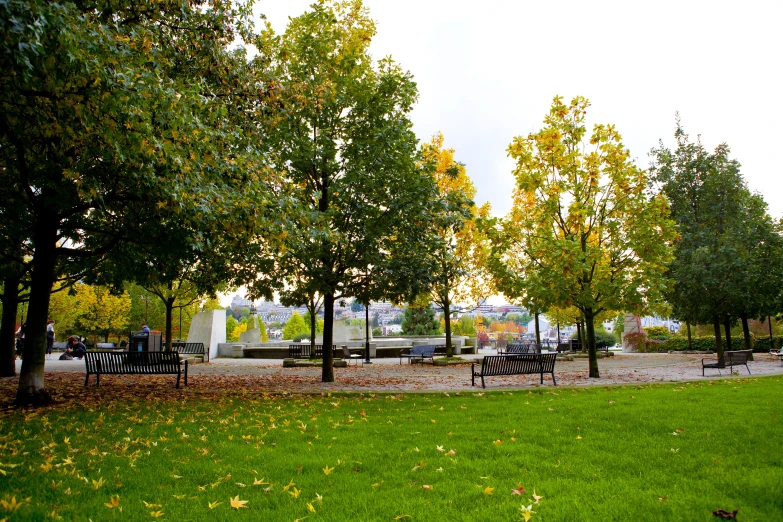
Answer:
(592, 356)
(447, 319)
(688, 328)
(538, 330)
(313, 325)
(327, 373)
(31, 389)
(727, 328)
(746, 334)
(367, 332)
(10, 299)
(718, 337)
(169, 318)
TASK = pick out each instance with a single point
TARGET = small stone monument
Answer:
(209, 328)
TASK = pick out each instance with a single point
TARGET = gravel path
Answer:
(388, 375)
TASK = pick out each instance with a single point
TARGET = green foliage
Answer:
(619, 325)
(356, 203)
(231, 325)
(420, 321)
(295, 326)
(604, 338)
(300, 337)
(520, 319)
(262, 331)
(680, 343)
(660, 333)
(465, 326)
(377, 332)
(584, 230)
(728, 249)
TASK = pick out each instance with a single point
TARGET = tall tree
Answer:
(105, 119)
(724, 255)
(457, 269)
(344, 141)
(595, 238)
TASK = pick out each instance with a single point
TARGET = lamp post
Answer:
(771, 341)
(367, 334)
(146, 306)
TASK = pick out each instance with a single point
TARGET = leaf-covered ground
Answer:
(144, 451)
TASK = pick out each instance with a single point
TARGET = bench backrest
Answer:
(423, 350)
(519, 348)
(131, 362)
(189, 348)
(303, 350)
(521, 363)
(737, 356)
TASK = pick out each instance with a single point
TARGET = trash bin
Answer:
(140, 343)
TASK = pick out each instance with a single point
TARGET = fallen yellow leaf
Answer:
(328, 470)
(237, 504)
(286, 488)
(488, 490)
(213, 505)
(426, 486)
(294, 492)
(259, 482)
(310, 507)
(114, 502)
(156, 514)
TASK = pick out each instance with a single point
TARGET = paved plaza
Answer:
(387, 375)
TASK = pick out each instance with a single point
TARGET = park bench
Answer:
(778, 354)
(185, 348)
(515, 364)
(420, 352)
(730, 359)
(130, 363)
(302, 351)
(516, 348)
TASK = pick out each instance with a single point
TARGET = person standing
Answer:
(49, 338)
(20, 340)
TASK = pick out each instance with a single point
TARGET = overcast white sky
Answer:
(487, 71)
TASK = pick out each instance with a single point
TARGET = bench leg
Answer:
(746, 367)
(178, 376)
(97, 379)
(186, 372)
(553, 379)
(482, 382)
(86, 379)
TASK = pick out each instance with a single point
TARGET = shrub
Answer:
(761, 344)
(636, 341)
(301, 337)
(660, 333)
(679, 343)
(604, 338)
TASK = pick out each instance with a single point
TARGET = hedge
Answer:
(679, 343)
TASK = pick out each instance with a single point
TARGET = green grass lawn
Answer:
(657, 452)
